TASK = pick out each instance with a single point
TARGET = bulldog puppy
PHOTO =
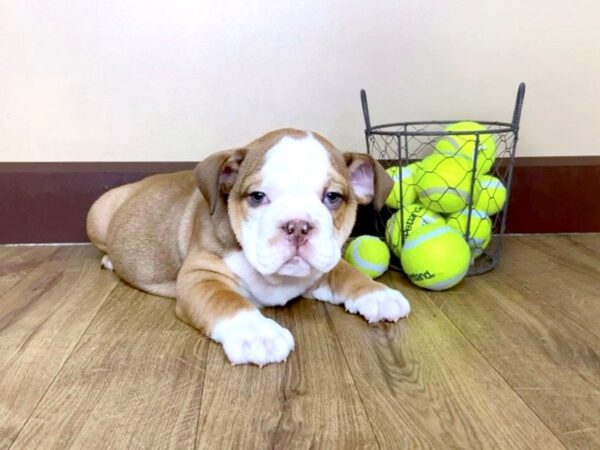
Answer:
(249, 227)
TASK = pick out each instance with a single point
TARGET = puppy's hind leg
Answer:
(164, 289)
(102, 211)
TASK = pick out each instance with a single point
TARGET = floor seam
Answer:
(203, 387)
(565, 312)
(58, 372)
(493, 367)
(339, 343)
(20, 280)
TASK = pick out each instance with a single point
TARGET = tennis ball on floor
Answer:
(409, 194)
(444, 183)
(368, 254)
(435, 257)
(492, 195)
(400, 226)
(463, 146)
(480, 229)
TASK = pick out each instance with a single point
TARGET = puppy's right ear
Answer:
(217, 174)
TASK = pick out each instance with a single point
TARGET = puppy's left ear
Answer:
(370, 181)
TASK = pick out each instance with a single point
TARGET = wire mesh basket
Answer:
(448, 164)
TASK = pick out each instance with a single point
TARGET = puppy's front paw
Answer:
(251, 338)
(387, 304)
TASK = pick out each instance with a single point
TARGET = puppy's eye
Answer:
(332, 199)
(257, 198)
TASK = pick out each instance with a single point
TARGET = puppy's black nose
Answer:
(297, 231)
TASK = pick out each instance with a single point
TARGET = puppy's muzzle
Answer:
(298, 232)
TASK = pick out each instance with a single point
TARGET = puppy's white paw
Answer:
(251, 338)
(106, 263)
(386, 304)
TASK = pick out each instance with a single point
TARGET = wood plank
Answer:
(134, 381)
(311, 401)
(551, 361)
(41, 319)
(424, 385)
(564, 270)
(508, 359)
(588, 243)
(589, 240)
(570, 252)
(16, 262)
(76, 251)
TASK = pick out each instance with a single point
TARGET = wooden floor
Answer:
(510, 359)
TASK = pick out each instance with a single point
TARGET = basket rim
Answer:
(503, 127)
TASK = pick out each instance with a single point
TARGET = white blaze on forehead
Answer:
(296, 166)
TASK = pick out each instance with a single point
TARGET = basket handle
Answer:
(365, 108)
(518, 106)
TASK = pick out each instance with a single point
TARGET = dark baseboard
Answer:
(48, 202)
(555, 195)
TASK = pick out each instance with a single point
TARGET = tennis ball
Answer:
(478, 251)
(438, 162)
(435, 257)
(444, 183)
(492, 195)
(463, 146)
(414, 167)
(480, 230)
(368, 254)
(409, 194)
(415, 216)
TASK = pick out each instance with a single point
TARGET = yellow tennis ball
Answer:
(400, 226)
(414, 168)
(409, 194)
(438, 162)
(463, 146)
(435, 257)
(368, 254)
(480, 229)
(478, 251)
(492, 195)
(444, 183)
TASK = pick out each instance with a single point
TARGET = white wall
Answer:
(119, 80)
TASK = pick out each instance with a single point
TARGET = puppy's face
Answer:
(291, 200)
